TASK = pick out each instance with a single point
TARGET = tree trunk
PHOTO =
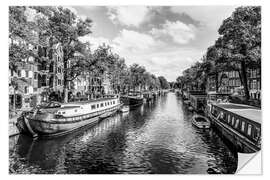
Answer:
(14, 101)
(244, 76)
(240, 76)
(216, 81)
(65, 88)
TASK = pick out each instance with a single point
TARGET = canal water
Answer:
(155, 138)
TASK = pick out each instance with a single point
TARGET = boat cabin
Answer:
(80, 108)
(241, 120)
(197, 100)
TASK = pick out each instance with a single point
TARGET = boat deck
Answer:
(89, 101)
(249, 112)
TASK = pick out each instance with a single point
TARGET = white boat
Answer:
(187, 102)
(124, 109)
(200, 121)
(190, 108)
(57, 119)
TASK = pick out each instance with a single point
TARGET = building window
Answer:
(26, 73)
(19, 73)
(35, 75)
(25, 89)
(59, 81)
(101, 105)
(59, 69)
(97, 105)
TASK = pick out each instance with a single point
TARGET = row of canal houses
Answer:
(237, 122)
(38, 82)
(40, 77)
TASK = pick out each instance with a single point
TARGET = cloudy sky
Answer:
(166, 40)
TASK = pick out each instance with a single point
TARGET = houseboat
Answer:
(213, 97)
(240, 124)
(55, 119)
(133, 99)
(198, 100)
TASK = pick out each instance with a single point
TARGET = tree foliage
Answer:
(237, 48)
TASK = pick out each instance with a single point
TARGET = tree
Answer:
(163, 82)
(240, 41)
(66, 28)
(22, 35)
(136, 76)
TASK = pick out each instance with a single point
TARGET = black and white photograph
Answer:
(133, 89)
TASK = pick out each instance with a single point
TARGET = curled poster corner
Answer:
(249, 163)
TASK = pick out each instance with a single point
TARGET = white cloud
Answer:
(211, 16)
(128, 15)
(180, 33)
(127, 41)
(95, 42)
(158, 58)
(72, 9)
(134, 41)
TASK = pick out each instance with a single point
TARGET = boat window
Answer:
(101, 105)
(93, 107)
(113, 102)
(214, 112)
(229, 118)
(236, 124)
(257, 133)
(243, 126)
(97, 105)
(249, 129)
(222, 116)
(232, 120)
(63, 112)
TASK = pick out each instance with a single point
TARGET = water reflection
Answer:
(157, 137)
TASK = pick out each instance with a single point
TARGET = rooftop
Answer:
(246, 111)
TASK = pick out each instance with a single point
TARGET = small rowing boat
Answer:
(124, 109)
(200, 121)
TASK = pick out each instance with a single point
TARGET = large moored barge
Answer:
(57, 119)
(240, 124)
